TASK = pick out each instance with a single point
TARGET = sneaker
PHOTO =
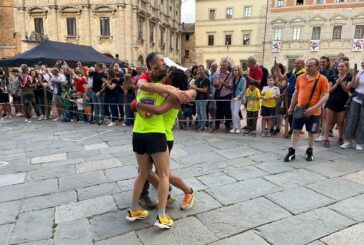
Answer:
(309, 154)
(40, 118)
(246, 132)
(19, 114)
(56, 119)
(137, 215)
(237, 131)
(253, 133)
(99, 122)
(264, 134)
(170, 201)
(291, 155)
(331, 133)
(123, 124)
(320, 138)
(359, 147)
(346, 145)
(232, 130)
(146, 203)
(111, 124)
(269, 134)
(189, 200)
(163, 222)
(277, 131)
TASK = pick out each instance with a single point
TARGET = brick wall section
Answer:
(8, 44)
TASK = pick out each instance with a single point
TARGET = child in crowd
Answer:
(80, 108)
(66, 96)
(270, 94)
(252, 96)
(87, 100)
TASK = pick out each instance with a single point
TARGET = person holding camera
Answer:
(311, 92)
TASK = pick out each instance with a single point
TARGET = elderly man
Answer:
(312, 90)
(223, 83)
(255, 72)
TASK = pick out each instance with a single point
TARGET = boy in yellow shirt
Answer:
(270, 94)
(252, 96)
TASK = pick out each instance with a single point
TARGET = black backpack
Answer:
(264, 81)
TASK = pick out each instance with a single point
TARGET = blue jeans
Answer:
(99, 106)
(110, 102)
(201, 113)
(121, 105)
(128, 113)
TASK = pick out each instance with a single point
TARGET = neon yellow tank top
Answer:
(146, 122)
(169, 121)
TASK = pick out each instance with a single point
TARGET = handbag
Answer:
(299, 111)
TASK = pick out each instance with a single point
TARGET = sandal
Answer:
(327, 143)
(340, 141)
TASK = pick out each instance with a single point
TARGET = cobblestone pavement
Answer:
(70, 184)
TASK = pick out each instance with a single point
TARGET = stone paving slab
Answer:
(98, 190)
(245, 173)
(8, 212)
(190, 231)
(338, 189)
(73, 182)
(114, 224)
(249, 237)
(41, 228)
(274, 167)
(5, 232)
(84, 209)
(242, 191)
(239, 152)
(242, 216)
(96, 146)
(295, 178)
(49, 158)
(12, 179)
(130, 238)
(51, 172)
(335, 169)
(357, 177)
(216, 179)
(203, 203)
(121, 173)
(350, 236)
(48, 201)
(299, 200)
(316, 223)
(30, 189)
(97, 165)
(73, 233)
(352, 208)
(42, 242)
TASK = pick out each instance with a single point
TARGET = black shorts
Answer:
(149, 143)
(4, 98)
(311, 124)
(170, 146)
(267, 111)
(337, 106)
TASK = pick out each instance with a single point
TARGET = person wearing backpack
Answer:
(256, 73)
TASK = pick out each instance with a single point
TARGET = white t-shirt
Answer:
(360, 88)
(79, 104)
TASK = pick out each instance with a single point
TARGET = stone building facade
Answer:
(129, 28)
(9, 39)
(313, 28)
(188, 45)
(229, 29)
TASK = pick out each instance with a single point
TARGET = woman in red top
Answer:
(79, 80)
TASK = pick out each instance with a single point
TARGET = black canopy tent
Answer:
(48, 52)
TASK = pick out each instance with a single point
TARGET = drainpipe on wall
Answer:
(265, 29)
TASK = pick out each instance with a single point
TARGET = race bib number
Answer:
(145, 114)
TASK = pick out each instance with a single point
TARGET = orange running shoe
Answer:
(189, 200)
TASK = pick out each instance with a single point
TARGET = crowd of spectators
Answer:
(225, 94)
